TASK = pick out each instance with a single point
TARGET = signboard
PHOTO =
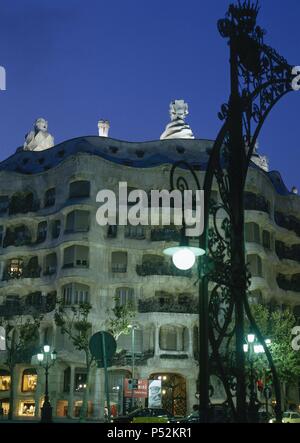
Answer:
(97, 342)
(135, 388)
(154, 394)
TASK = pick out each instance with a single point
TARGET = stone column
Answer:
(190, 393)
(190, 343)
(98, 401)
(179, 338)
(71, 392)
(156, 341)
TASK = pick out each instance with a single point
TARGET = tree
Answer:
(277, 326)
(120, 318)
(21, 334)
(74, 322)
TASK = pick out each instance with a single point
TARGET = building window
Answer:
(27, 408)
(67, 379)
(22, 202)
(15, 268)
(50, 264)
(56, 228)
(78, 221)
(76, 256)
(79, 189)
(41, 232)
(163, 298)
(125, 296)
(119, 261)
(4, 380)
(124, 342)
(255, 265)
(75, 293)
(137, 232)
(29, 380)
(1, 236)
(173, 338)
(252, 233)
(112, 231)
(34, 299)
(80, 380)
(168, 338)
(267, 240)
(18, 236)
(4, 203)
(255, 298)
(49, 198)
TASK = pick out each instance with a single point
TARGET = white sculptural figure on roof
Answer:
(39, 138)
(178, 128)
(260, 160)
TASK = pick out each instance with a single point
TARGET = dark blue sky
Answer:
(75, 61)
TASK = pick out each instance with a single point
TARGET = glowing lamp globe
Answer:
(184, 257)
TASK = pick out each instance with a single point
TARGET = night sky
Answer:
(76, 61)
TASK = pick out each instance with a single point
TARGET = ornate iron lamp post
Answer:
(260, 77)
(46, 359)
(252, 348)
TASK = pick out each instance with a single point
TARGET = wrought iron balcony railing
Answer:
(254, 202)
(25, 272)
(154, 305)
(288, 253)
(286, 284)
(165, 234)
(124, 358)
(288, 222)
(47, 305)
(148, 269)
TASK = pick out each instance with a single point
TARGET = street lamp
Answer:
(259, 78)
(46, 359)
(253, 347)
(133, 329)
(184, 257)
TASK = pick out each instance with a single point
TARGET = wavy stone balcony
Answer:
(165, 234)
(32, 304)
(254, 202)
(287, 253)
(167, 269)
(290, 223)
(21, 272)
(287, 284)
(154, 305)
(124, 358)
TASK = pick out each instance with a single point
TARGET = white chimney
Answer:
(103, 128)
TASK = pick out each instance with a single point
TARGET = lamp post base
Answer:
(46, 413)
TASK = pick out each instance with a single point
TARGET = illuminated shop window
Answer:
(29, 380)
(80, 380)
(4, 380)
(27, 408)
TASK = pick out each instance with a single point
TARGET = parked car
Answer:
(145, 415)
(288, 417)
(192, 418)
(218, 413)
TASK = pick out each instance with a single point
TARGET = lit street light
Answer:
(133, 329)
(46, 359)
(251, 348)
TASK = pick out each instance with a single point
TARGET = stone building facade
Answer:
(52, 247)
